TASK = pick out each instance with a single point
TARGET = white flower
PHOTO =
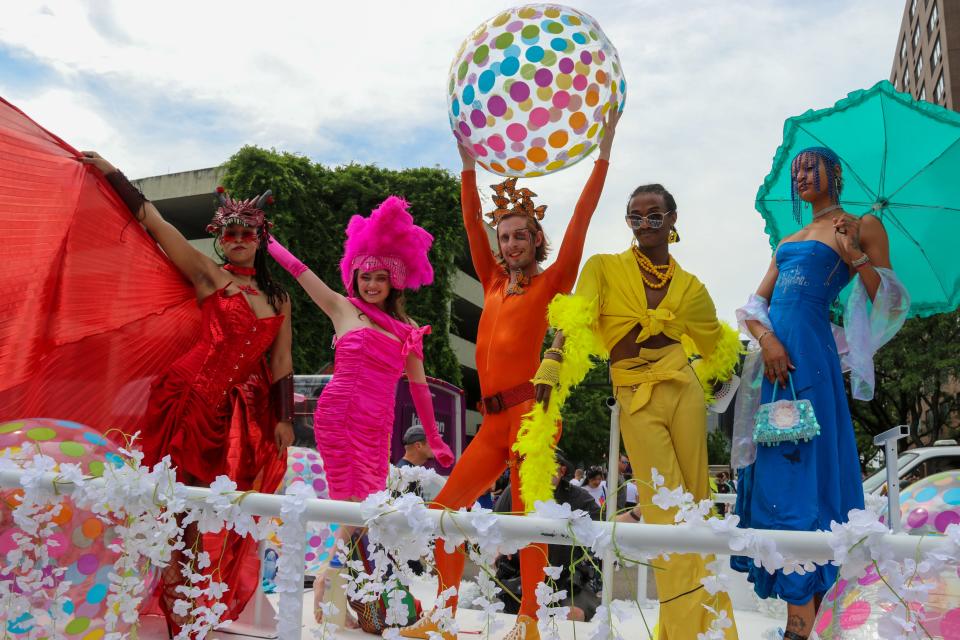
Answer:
(490, 538)
(551, 510)
(548, 614)
(858, 542)
(553, 572)
(724, 526)
(668, 498)
(33, 473)
(326, 630)
(397, 609)
(7, 463)
(443, 615)
(181, 607)
(72, 473)
(720, 622)
(719, 580)
(716, 583)
(655, 478)
(217, 589)
(693, 512)
(392, 633)
(220, 490)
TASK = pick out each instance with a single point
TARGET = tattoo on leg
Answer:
(796, 623)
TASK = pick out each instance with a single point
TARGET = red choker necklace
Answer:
(240, 271)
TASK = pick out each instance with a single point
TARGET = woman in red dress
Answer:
(211, 410)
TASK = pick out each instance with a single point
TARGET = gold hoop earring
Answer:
(674, 237)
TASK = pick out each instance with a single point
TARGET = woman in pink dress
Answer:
(376, 343)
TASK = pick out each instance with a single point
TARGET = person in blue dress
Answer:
(804, 486)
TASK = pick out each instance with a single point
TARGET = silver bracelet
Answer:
(859, 262)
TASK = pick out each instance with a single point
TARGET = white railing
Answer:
(654, 539)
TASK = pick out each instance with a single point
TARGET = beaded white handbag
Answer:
(785, 420)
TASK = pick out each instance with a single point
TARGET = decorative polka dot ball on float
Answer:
(529, 89)
(306, 465)
(929, 506)
(854, 610)
(80, 542)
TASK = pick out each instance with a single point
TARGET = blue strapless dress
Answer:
(805, 486)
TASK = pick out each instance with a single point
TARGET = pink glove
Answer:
(284, 258)
(423, 402)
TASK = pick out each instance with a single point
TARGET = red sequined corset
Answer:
(230, 348)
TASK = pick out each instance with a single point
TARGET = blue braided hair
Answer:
(834, 180)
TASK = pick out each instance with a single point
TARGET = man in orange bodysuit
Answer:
(516, 292)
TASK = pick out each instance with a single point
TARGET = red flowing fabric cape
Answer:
(92, 311)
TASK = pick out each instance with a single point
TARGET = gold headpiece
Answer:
(511, 201)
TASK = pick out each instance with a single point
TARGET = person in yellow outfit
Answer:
(667, 350)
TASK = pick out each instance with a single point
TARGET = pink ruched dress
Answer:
(353, 422)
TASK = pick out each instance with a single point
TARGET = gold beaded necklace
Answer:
(660, 274)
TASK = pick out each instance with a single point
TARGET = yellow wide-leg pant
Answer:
(668, 432)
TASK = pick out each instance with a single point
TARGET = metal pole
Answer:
(459, 420)
(888, 439)
(613, 481)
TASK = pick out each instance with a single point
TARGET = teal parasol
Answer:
(901, 162)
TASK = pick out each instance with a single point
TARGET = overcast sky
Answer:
(173, 86)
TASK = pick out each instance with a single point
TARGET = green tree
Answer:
(586, 419)
(718, 448)
(314, 204)
(916, 384)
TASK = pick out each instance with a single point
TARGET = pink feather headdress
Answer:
(389, 240)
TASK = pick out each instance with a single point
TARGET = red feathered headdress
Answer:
(248, 213)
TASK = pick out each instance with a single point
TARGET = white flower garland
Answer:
(290, 563)
(143, 505)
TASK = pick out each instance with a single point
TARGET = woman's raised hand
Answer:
(95, 159)
(469, 163)
(609, 130)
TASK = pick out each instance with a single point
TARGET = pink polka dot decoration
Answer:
(80, 540)
(529, 88)
(852, 610)
(306, 465)
(930, 505)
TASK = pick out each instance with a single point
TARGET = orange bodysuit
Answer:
(509, 342)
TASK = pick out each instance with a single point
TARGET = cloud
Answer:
(178, 86)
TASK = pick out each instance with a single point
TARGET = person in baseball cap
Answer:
(416, 450)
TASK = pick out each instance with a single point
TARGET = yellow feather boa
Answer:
(537, 439)
(722, 362)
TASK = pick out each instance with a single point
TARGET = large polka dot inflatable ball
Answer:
(306, 466)
(529, 89)
(929, 506)
(81, 539)
(853, 610)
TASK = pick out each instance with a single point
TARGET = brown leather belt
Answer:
(500, 402)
